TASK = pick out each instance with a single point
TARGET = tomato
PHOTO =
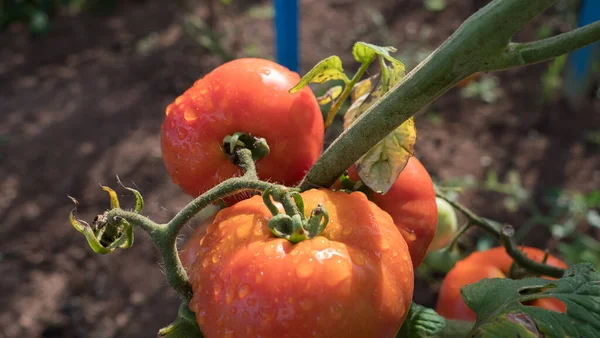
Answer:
(245, 95)
(189, 251)
(411, 203)
(446, 226)
(493, 263)
(355, 279)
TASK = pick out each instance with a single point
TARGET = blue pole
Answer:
(286, 33)
(579, 72)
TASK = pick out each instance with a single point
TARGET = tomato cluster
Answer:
(355, 278)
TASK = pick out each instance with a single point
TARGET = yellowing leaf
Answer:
(332, 94)
(363, 87)
(326, 70)
(379, 167)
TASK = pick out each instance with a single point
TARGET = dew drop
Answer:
(347, 231)
(243, 291)
(229, 295)
(320, 243)
(215, 258)
(358, 258)
(305, 270)
(189, 114)
(385, 245)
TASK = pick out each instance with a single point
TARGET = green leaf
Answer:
(421, 322)
(326, 70)
(500, 311)
(365, 52)
(380, 167)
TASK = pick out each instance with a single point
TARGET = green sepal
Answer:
(184, 326)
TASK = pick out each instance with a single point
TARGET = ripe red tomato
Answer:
(411, 203)
(245, 95)
(353, 280)
(189, 251)
(493, 263)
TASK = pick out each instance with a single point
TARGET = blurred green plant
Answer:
(37, 14)
(487, 88)
(568, 215)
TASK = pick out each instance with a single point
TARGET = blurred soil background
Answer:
(82, 100)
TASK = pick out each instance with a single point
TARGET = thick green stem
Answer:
(519, 54)
(347, 90)
(480, 44)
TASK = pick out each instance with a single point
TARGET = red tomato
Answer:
(189, 251)
(411, 203)
(244, 95)
(353, 280)
(493, 263)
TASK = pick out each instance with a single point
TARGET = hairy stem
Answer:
(480, 44)
(518, 54)
(505, 235)
(347, 90)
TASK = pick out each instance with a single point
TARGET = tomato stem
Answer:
(347, 90)
(505, 235)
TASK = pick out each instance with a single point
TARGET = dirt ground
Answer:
(85, 104)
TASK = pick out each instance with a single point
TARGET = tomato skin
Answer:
(189, 251)
(245, 95)
(492, 263)
(411, 203)
(354, 280)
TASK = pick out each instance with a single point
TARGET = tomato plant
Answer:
(353, 280)
(245, 95)
(492, 263)
(411, 203)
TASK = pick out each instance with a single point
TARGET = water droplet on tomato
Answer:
(215, 258)
(229, 295)
(347, 231)
(320, 243)
(385, 245)
(243, 291)
(358, 258)
(305, 270)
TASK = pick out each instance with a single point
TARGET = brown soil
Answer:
(85, 103)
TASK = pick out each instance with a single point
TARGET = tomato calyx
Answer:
(257, 145)
(293, 225)
(106, 234)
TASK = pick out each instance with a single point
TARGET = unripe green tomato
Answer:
(447, 225)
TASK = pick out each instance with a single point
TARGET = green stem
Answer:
(522, 260)
(456, 329)
(505, 235)
(164, 236)
(480, 44)
(347, 90)
(519, 54)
